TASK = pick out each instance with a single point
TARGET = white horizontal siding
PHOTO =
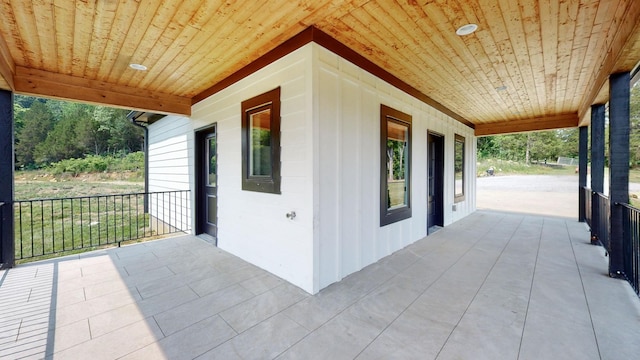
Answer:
(349, 234)
(170, 169)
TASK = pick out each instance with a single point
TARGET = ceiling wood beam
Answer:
(7, 66)
(523, 125)
(59, 86)
(619, 59)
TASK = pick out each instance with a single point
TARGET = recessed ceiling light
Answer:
(138, 67)
(466, 29)
(501, 88)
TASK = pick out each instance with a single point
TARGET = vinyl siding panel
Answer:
(170, 169)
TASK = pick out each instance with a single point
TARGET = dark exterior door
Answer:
(207, 182)
(435, 178)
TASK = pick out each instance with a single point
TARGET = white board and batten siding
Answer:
(253, 225)
(347, 184)
(330, 113)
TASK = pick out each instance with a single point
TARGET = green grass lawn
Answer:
(45, 227)
(42, 185)
(507, 167)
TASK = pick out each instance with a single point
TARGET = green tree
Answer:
(124, 137)
(37, 122)
(487, 147)
(512, 146)
(61, 142)
(544, 145)
(568, 144)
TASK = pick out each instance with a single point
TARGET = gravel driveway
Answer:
(555, 195)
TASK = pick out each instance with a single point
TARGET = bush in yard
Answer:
(99, 163)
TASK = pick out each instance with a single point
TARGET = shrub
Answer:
(99, 163)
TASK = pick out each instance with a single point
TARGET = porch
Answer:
(491, 286)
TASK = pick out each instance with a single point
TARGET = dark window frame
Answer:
(459, 139)
(266, 184)
(389, 216)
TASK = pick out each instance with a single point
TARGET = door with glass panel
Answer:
(435, 181)
(208, 182)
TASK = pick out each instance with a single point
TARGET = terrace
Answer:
(492, 285)
(516, 286)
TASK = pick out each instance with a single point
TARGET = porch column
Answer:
(582, 170)
(618, 165)
(597, 163)
(597, 147)
(7, 255)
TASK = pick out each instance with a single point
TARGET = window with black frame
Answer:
(395, 165)
(458, 168)
(261, 143)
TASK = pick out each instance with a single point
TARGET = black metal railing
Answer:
(600, 219)
(587, 205)
(631, 244)
(49, 226)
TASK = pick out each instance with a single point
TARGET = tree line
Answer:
(530, 147)
(549, 145)
(47, 131)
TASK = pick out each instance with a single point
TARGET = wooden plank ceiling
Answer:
(530, 65)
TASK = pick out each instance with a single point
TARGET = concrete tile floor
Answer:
(491, 286)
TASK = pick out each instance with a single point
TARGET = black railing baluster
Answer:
(81, 223)
(53, 230)
(62, 222)
(122, 216)
(42, 224)
(99, 223)
(32, 240)
(90, 224)
(72, 227)
(20, 228)
(137, 214)
(115, 219)
(106, 221)
(631, 244)
(157, 214)
(129, 210)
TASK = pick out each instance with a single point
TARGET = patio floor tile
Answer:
(490, 286)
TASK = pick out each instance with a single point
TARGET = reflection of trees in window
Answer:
(396, 151)
(395, 164)
(458, 168)
(261, 152)
(212, 160)
(261, 143)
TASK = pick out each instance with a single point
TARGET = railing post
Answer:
(618, 166)
(7, 259)
(582, 171)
